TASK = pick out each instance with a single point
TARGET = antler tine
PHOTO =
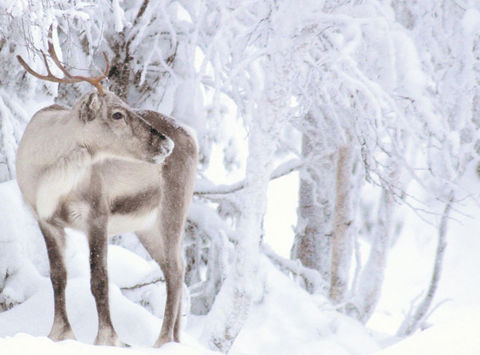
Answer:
(93, 80)
(69, 78)
(48, 77)
(107, 68)
(45, 62)
(53, 55)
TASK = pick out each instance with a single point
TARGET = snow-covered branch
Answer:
(295, 267)
(204, 187)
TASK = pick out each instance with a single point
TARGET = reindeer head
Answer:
(110, 126)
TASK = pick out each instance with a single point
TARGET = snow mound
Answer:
(285, 319)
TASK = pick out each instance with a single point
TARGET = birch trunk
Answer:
(312, 240)
(342, 245)
(371, 278)
(231, 307)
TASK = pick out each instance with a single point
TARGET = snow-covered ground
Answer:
(283, 320)
(452, 327)
(459, 336)
(22, 344)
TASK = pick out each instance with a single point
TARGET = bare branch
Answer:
(134, 287)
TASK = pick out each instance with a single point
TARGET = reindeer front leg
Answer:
(98, 244)
(99, 286)
(55, 241)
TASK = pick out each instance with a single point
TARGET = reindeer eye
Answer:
(117, 115)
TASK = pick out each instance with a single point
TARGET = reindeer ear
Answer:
(89, 108)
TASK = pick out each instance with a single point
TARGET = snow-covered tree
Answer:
(447, 35)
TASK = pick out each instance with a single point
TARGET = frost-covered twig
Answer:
(296, 268)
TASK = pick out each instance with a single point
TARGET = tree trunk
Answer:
(342, 245)
(312, 240)
(232, 304)
(367, 293)
(412, 322)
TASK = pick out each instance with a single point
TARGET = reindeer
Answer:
(104, 168)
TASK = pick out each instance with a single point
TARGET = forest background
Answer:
(337, 138)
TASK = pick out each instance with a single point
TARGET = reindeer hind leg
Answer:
(173, 270)
(178, 321)
(171, 262)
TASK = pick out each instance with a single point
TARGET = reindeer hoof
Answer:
(62, 334)
(163, 340)
(110, 340)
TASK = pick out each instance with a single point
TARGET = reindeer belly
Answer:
(118, 224)
(121, 218)
(134, 211)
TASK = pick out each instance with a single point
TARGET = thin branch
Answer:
(138, 18)
(220, 189)
(437, 306)
(140, 12)
(134, 287)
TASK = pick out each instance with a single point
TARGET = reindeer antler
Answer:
(69, 78)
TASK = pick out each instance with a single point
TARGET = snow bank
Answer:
(459, 337)
(22, 253)
(288, 320)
